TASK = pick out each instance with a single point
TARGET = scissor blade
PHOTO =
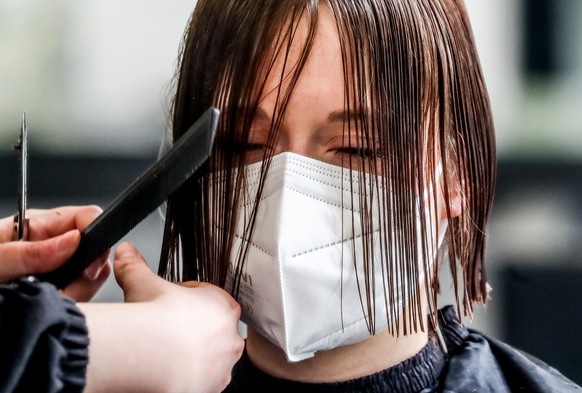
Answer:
(21, 220)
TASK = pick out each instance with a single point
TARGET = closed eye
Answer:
(356, 151)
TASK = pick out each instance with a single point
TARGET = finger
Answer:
(213, 290)
(86, 286)
(134, 276)
(6, 229)
(94, 269)
(45, 224)
(19, 259)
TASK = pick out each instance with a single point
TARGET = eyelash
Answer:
(357, 151)
(242, 147)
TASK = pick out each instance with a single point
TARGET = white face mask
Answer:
(298, 287)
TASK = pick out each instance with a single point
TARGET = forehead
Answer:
(307, 58)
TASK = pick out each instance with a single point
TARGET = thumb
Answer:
(133, 274)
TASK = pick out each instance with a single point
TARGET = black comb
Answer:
(142, 197)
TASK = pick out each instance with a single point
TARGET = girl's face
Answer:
(315, 122)
(283, 88)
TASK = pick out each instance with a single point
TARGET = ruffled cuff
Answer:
(43, 340)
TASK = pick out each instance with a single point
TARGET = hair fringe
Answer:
(414, 80)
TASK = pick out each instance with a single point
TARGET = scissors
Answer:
(20, 226)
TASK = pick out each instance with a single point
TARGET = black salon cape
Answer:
(475, 363)
(43, 340)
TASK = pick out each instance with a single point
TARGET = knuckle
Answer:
(35, 258)
(124, 265)
(235, 308)
(38, 251)
(239, 347)
(231, 303)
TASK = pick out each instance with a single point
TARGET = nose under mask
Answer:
(303, 281)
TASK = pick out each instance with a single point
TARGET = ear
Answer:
(453, 196)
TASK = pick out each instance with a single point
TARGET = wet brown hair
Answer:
(415, 63)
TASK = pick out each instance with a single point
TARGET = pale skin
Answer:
(165, 338)
(313, 127)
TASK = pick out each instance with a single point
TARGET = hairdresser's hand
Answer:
(53, 237)
(182, 338)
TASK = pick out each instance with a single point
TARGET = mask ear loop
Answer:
(433, 320)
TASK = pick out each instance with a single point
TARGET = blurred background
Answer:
(95, 80)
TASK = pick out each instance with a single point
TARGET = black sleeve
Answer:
(43, 340)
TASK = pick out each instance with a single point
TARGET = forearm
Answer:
(124, 348)
(164, 338)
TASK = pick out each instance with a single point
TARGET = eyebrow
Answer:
(350, 115)
(334, 117)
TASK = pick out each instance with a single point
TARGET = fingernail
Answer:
(125, 250)
(92, 272)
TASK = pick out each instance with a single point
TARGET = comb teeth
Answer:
(142, 197)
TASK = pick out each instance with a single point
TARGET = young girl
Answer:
(355, 155)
